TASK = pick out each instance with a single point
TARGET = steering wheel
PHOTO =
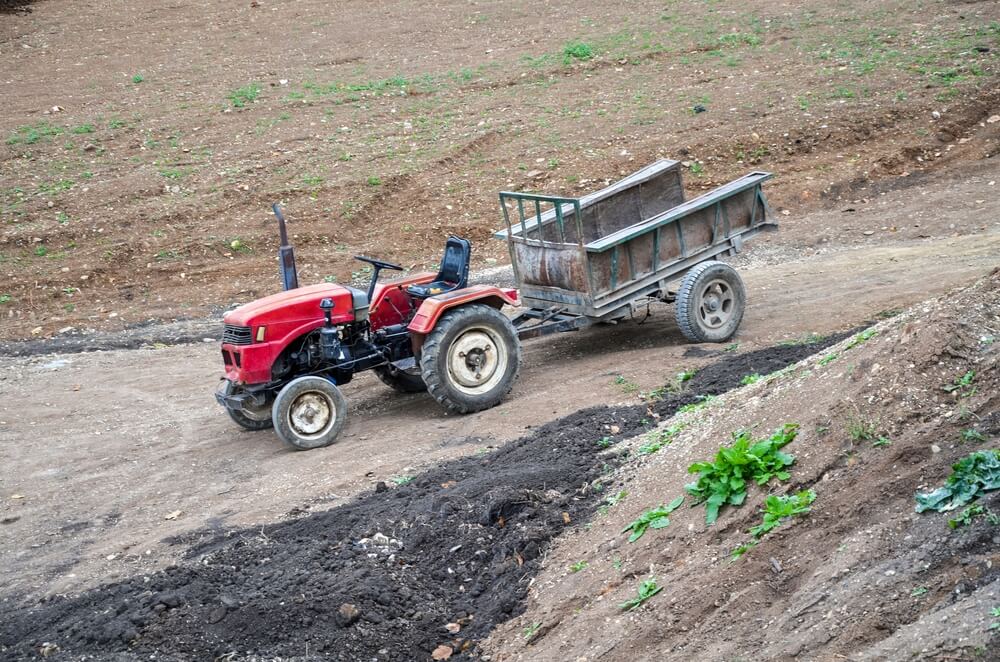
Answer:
(378, 263)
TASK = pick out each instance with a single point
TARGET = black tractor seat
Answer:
(454, 273)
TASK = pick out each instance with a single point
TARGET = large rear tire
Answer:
(471, 359)
(710, 302)
(407, 380)
(309, 412)
(254, 420)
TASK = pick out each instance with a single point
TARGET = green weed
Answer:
(750, 379)
(577, 50)
(723, 482)
(647, 589)
(828, 359)
(578, 566)
(628, 386)
(971, 513)
(138, 78)
(861, 430)
(241, 96)
(964, 385)
(778, 509)
(881, 442)
(374, 181)
(971, 434)
(83, 128)
(864, 336)
(5, 298)
(530, 630)
(402, 480)
(655, 518)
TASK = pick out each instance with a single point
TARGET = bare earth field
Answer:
(137, 211)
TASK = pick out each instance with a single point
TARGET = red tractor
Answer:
(286, 355)
(576, 262)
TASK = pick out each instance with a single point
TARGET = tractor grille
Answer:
(237, 335)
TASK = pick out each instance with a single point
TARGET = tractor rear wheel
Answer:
(253, 419)
(471, 359)
(710, 302)
(309, 412)
(404, 380)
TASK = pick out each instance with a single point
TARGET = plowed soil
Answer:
(382, 577)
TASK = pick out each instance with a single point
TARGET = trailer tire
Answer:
(710, 302)
(471, 359)
(309, 412)
(400, 380)
(244, 420)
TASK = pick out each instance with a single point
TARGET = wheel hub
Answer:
(716, 304)
(310, 413)
(475, 360)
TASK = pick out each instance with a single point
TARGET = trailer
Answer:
(579, 261)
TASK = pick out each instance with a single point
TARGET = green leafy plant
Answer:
(655, 518)
(374, 181)
(647, 589)
(971, 434)
(138, 78)
(750, 379)
(686, 376)
(742, 549)
(604, 442)
(402, 480)
(881, 441)
(577, 50)
(861, 430)
(963, 384)
(971, 477)
(41, 251)
(732, 347)
(578, 566)
(777, 509)
(971, 513)
(724, 481)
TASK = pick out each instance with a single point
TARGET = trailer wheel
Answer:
(404, 381)
(471, 359)
(710, 302)
(256, 419)
(309, 412)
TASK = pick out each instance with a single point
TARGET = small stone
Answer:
(442, 652)
(217, 615)
(453, 628)
(347, 614)
(993, 119)
(868, 233)
(37, 330)
(935, 448)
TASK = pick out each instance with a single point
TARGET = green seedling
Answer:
(703, 401)
(657, 439)
(918, 592)
(724, 481)
(864, 336)
(971, 513)
(655, 518)
(616, 498)
(963, 384)
(531, 630)
(971, 434)
(617, 563)
(604, 442)
(881, 442)
(777, 509)
(647, 589)
(750, 379)
(685, 376)
(6, 298)
(240, 97)
(402, 480)
(829, 358)
(971, 477)
(41, 251)
(742, 549)
(374, 181)
(861, 430)
(732, 347)
(138, 78)
(628, 386)
(578, 566)
(995, 613)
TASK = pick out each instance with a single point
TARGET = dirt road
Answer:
(107, 455)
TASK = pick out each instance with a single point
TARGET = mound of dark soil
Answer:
(379, 578)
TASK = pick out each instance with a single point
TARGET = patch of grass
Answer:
(646, 590)
(577, 50)
(843, 93)
(241, 96)
(736, 39)
(732, 347)
(703, 401)
(697, 169)
(972, 434)
(724, 481)
(971, 477)
(859, 429)
(374, 181)
(578, 566)
(657, 439)
(829, 358)
(751, 379)
(655, 518)
(312, 180)
(83, 128)
(41, 251)
(628, 386)
(862, 337)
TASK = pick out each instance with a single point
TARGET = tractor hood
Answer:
(300, 304)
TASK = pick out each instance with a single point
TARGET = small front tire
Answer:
(254, 420)
(309, 412)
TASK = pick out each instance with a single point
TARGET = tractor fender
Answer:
(432, 308)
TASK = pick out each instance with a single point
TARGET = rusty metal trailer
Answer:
(591, 259)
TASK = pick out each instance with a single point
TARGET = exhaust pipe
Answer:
(286, 254)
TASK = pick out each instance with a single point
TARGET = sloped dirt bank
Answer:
(862, 576)
(379, 578)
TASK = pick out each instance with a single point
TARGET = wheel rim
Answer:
(716, 304)
(312, 414)
(477, 360)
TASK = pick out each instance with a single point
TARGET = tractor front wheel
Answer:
(309, 412)
(471, 359)
(253, 419)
